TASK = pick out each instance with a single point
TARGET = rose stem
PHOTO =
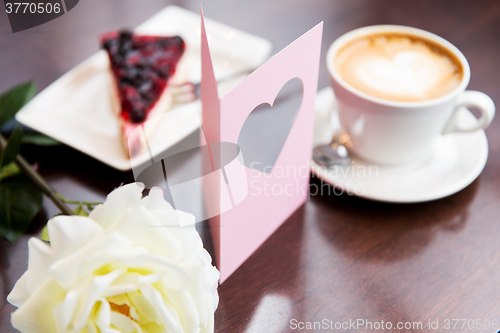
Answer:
(38, 180)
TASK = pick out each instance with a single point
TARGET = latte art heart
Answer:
(408, 73)
(398, 68)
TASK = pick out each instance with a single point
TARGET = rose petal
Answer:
(116, 203)
(90, 257)
(151, 278)
(187, 236)
(91, 328)
(119, 290)
(69, 233)
(98, 286)
(189, 310)
(146, 231)
(165, 316)
(156, 200)
(177, 277)
(19, 293)
(143, 306)
(35, 315)
(104, 316)
(123, 323)
(64, 312)
(40, 259)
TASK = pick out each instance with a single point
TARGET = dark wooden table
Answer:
(338, 258)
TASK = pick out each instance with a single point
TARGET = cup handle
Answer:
(471, 98)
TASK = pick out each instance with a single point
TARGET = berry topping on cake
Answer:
(142, 66)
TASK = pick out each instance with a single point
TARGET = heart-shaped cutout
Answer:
(266, 129)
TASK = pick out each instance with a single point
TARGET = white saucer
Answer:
(456, 162)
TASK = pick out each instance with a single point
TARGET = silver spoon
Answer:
(334, 153)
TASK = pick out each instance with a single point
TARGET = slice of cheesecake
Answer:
(143, 67)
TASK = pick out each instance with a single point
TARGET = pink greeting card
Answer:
(241, 219)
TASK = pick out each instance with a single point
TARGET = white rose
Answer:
(134, 265)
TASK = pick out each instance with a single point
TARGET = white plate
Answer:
(457, 161)
(78, 108)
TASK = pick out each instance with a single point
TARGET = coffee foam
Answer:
(399, 68)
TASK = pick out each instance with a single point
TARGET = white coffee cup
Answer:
(391, 132)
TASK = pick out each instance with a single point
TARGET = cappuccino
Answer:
(399, 67)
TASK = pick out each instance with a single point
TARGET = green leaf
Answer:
(79, 211)
(12, 148)
(39, 139)
(45, 234)
(20, 201)
(9, 170)
(14, 99)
